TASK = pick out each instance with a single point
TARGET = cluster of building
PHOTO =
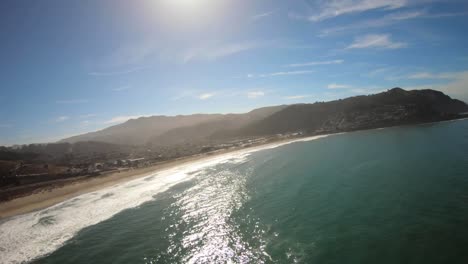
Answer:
(22, 173)
(42, 172)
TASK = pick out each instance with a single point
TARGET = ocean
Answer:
(394, 195)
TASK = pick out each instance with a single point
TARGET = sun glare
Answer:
(186, 4)
(191, 13)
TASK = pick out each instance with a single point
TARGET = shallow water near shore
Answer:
(396, 195)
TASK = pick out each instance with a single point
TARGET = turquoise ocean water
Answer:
(396, 195)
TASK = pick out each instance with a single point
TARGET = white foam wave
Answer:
(279, 144)
(26, 237)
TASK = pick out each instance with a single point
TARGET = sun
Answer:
(186, 3)
(189, 13)
(187, 7)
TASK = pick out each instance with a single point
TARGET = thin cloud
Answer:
(72, 101)
(62, 119)
(399, 16)
(330, 9)
(112, 73)
(255, 94)
(378, 71)
(338, 86)
(195, 94)
(375, 41)
(122, 88)
(387, 20)
(295, 97)
(129, 56)
(315, 63)
(374, 23)
(85, 123)
(428, 75)
(447, 15)
(262, 15)
(206, 96)
(6, 125)
(185, 94)
(284, 73)
(87, 116)
(226, 93)
(216, 52)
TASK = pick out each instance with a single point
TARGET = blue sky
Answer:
(69, 67)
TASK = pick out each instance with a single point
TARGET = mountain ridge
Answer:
(393, 107)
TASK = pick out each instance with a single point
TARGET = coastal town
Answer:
(21, 177)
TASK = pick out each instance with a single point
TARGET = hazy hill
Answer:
(204, 131)
(139, 131)
(393, 107)
(64, 152)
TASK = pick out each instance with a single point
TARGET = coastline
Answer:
(50, 196)
(57, 194)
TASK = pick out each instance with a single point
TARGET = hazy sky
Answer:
(69, 67)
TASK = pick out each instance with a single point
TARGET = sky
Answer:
(70, 67)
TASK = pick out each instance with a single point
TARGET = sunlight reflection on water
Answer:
(204, 231)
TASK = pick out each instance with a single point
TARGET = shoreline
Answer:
(53, 195)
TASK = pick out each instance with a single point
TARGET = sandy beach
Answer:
(51, 196)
